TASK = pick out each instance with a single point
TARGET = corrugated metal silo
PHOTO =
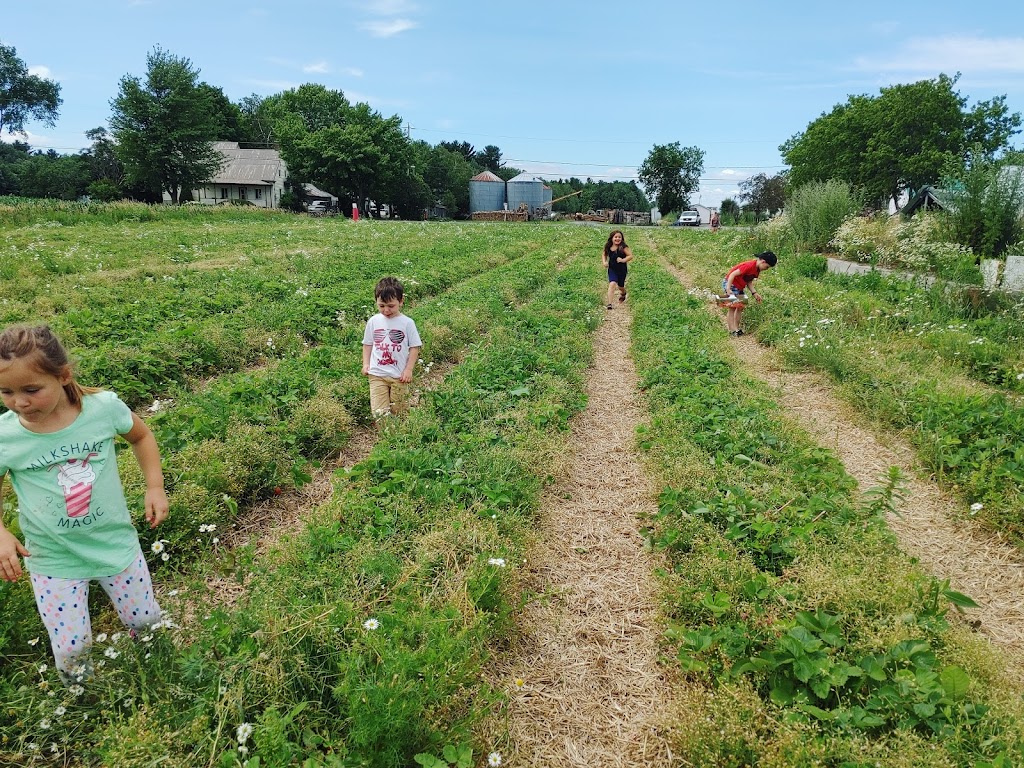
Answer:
(486, 192)
(528, 189)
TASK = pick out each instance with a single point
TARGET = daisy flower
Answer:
(494, 759)
(498, 561)
(243, 733)
(371, 624)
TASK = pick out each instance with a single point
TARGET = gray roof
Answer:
(312, 191)
(247, 166)
(525, 177)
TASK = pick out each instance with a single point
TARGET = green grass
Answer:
(805, 636)
(769, 552)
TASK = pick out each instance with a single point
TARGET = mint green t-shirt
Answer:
(71, 506)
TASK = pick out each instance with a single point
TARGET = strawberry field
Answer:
(794, 629)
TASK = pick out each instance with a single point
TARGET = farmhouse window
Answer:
(241, 193)
(259, 193)
(223, 193)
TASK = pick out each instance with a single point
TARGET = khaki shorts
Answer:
(388, 396)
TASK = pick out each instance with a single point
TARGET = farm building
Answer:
(253, 175)
(528, 190)
(486, 193)
(929, 199)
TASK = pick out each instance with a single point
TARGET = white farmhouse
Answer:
(255, 175)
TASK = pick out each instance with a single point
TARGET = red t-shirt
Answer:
(748, 271)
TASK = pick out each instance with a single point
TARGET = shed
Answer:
(311, 193)
(930, 199)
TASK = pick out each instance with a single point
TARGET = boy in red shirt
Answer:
(737, 279)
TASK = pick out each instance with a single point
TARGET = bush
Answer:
(917, 244)
(774, 234)
(986, 212)
(817, 210)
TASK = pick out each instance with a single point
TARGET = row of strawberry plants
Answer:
(361, 641)
(141, 331)
(935, 363)
(807, 637)
(245, 436)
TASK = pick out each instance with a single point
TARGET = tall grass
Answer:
(23, 211)
(816, 210)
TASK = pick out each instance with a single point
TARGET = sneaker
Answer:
(609, 306)
(739, 332)
(622, 297)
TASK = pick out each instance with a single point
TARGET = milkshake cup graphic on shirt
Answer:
(76, 478)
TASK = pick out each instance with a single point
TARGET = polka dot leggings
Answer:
(64, 607)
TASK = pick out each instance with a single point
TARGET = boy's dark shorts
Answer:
(617, 275)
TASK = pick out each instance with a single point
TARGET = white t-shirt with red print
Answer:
(390, 339)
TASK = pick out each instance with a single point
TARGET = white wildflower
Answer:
(243, 733)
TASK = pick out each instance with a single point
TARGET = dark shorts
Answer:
(617, 275)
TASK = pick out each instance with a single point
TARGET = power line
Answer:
(630, 165)
(582, 141)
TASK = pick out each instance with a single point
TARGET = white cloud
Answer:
(352, 71)
(388, 28)
(40, 71)
(320, 68)
(951, 54)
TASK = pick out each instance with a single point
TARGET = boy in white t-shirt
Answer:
(391, 347)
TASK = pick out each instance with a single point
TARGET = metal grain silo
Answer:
(528, 189)
(486, 192)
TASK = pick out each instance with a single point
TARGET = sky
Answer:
(563, 88)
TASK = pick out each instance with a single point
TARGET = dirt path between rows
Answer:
(976, 562)
(587, 657)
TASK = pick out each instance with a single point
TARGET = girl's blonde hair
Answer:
(49, 355)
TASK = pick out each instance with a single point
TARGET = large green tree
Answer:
(50, 174)
(348, 150)
(763, 194)
(904, 138)
(164, 126)
(671, 173)
(24, 97)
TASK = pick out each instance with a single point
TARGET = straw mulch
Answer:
(586, 656)
(977, 562)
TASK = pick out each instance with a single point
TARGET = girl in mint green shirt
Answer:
(57, 447)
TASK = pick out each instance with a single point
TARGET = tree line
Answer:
(162, 124)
